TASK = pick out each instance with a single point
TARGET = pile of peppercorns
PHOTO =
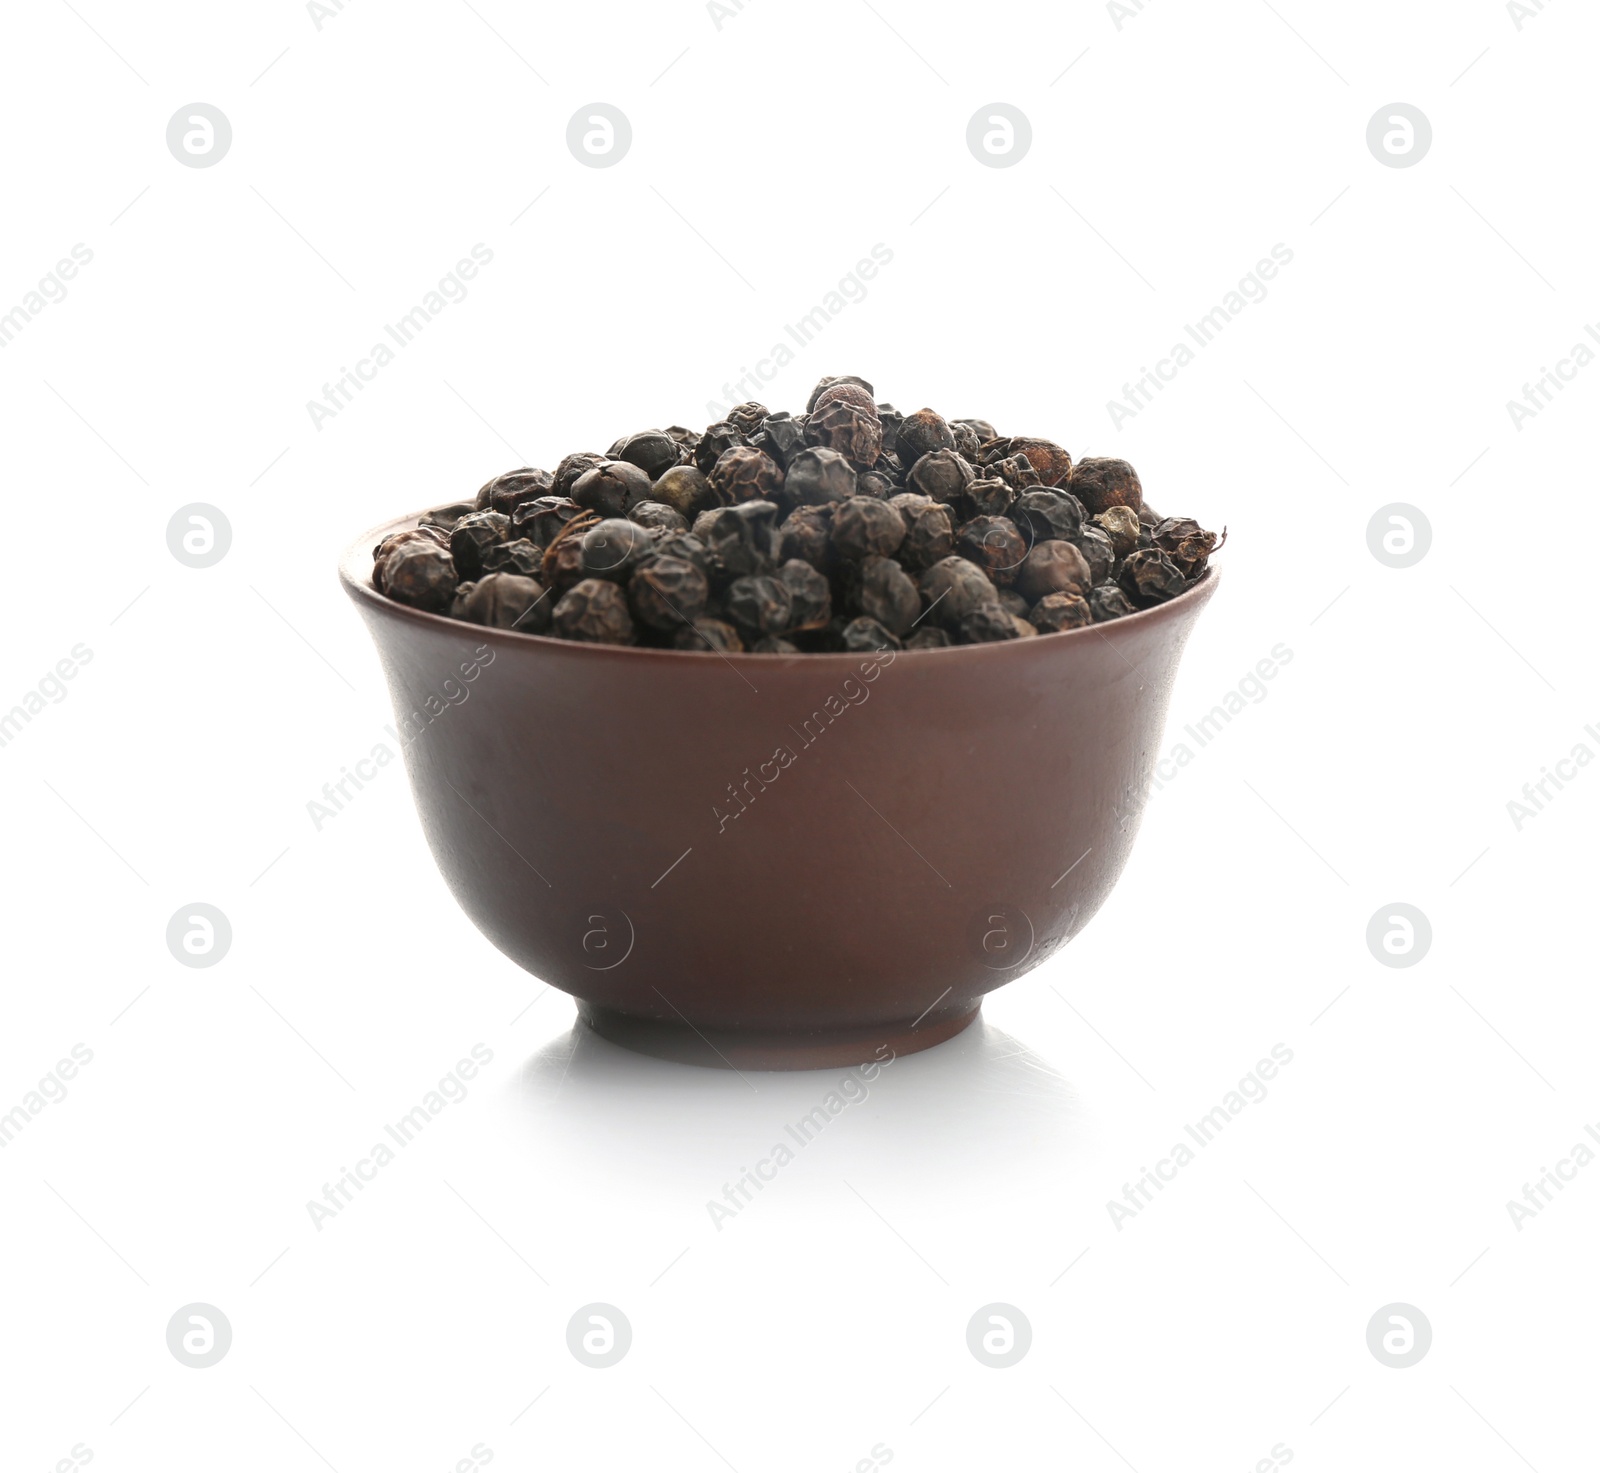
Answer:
(850, 527)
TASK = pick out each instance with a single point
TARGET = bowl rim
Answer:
(355, 573)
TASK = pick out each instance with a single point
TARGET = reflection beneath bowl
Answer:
(982, 1105)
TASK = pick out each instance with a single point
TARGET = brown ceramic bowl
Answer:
(768, 861)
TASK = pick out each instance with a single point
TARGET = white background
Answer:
(829, 1317)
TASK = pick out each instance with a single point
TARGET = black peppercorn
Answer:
(709, 634)
(742, 540)
(987, 624)
(658, 517)
(421, 575)
(759, 605)
(1048, 460)
(928, 638)
(850, 394)
(1041, 514)
(941, 474)
(1186, 542)
(667, 592)
(848, 428)
(1149, 576)
(506, 492)
(424, 536)
(864, 525)
(685, 489)
(810, 598)
(611, 488)
(743, 473)
(519, 556)
(953, 588)
(1107, 601)
(824, 384)
(613, 548)
(747, 417)
(805, 535)
(714, 442)
(818, 476)
(1100, 483)
(447, 516)
(504, 601)
(593, 611)
(653, 451)
(989, 496)
(922, 433)
(886, 594)
(1097, 549)
(878, 482)
(865, 636)
(473, 536)
(1052, 567)
(772, 645)
(570, 468)
(542, 519)
(930, 530)
(995, 545)
(563, 558)
(781, 436)
(1058, 611)
(1121, 525)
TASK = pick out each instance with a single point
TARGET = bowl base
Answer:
(821, 1048)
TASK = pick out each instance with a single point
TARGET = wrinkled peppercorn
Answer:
(541, 520)
(995, 545)
(864, 525)
(509, 490)
(658, 517)
(1051, 567)
(447, 516)
(1103, 483)
(810, 598)
(1058, 611)
(854, 432)
(987, 624)
(743, 473)
(504, 601)
(667, 592)
(824, 384)
(422, 576)
(941, 474)
(1187, 543)
(805, 534)
(1107, 601)
(849, 527)
(924, 432)
(887, 594)
(519, 556)
(1042, 514)
(1121, 525)
(818, 476)
(473, 536)
(594, 611)
(758, 605)
(715, 442)
(865, 635)
(1149, 576)
(570, 468)
(1098, 549)
(742, 540)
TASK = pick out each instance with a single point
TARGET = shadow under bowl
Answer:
(770, 861)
